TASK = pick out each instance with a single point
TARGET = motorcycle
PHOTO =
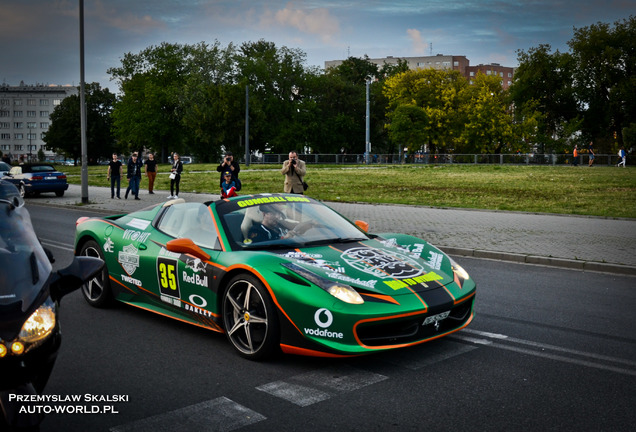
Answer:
(30, 294)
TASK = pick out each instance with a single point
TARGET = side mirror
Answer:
(80, 271)
(364, 226)
(187, 246)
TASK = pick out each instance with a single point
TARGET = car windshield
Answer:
(40, 168)
(286, 222)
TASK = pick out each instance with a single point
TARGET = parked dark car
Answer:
(35, 178)
(4, 169)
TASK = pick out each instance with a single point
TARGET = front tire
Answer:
(97, 291)
(249, 317)
(23, 192)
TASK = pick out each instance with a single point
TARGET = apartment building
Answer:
(445, 62)
(504, 73)
(25, 112)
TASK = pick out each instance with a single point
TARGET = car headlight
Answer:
(340, 291)
(459, 270)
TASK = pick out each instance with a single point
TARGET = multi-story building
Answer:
(505, 73)
(441, 62)
(444, 62)
(25, 112)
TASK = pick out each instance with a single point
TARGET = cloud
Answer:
(419, 45)
(315, 21)
(127, 21)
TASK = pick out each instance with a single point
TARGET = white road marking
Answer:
(342, 379)
(552, 347)
(219, 415)
(337, 380)
(56, 245)
(552, 352)
(429, 354)
(294, 393)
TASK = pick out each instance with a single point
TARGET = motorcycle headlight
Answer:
(459, 270)
(340, 291)
(38, 327)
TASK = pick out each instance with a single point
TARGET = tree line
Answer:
(193, 99)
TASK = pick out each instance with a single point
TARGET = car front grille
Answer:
(411, 329)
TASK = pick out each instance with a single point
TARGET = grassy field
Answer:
(599, 191)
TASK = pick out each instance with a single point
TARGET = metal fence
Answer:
(422, 158)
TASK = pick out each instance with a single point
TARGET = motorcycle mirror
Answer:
(80, 271)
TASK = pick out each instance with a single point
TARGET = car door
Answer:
(184, 281)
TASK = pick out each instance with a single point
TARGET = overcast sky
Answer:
(39, 39)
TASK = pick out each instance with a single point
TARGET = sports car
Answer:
(277, 272)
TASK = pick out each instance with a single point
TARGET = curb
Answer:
(100, 206)
(542, 261)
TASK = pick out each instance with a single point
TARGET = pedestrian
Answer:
(115, 171)
(575, 155)
(590, 150)
(294, 170)
(229, 164)
(228, 187)
(175, 176)
(133, 174)
(150, 166)
(622, 154)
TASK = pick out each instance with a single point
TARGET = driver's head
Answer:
(271, 215)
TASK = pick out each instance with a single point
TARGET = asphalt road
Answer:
(549, 349)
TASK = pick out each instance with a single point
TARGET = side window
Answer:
(190, 220)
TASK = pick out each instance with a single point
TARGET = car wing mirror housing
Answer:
(364, 226)
(187, 246)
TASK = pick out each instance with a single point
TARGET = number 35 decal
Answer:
(167, 274)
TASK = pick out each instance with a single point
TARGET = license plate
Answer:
(50, 178)
(435, 318)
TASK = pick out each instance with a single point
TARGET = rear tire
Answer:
(249, 318)
(97, 291)
(59, 193)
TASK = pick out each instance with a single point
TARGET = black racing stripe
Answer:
(438, 300)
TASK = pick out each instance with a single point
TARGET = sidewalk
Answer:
(584, 243)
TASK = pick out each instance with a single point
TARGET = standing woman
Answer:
(175, 176)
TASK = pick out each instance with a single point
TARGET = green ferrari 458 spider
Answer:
(277, 272)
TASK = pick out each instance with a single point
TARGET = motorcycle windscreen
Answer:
(24, 266)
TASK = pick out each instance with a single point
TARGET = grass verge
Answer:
(597, 191)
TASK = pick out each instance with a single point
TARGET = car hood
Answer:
(384, 265)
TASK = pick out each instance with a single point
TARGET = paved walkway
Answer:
(586, 243)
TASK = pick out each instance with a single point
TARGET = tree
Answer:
(544, 82)
(488, 127)
(148, 114)
(275, 77)
(64, 134)
(605, 66)
(438, 94)
(211, 104)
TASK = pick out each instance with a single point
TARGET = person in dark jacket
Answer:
(133, 174)
(175, 176)
(228, 164)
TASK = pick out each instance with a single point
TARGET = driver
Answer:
(271, 227)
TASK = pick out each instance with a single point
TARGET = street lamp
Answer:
(367, 147)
